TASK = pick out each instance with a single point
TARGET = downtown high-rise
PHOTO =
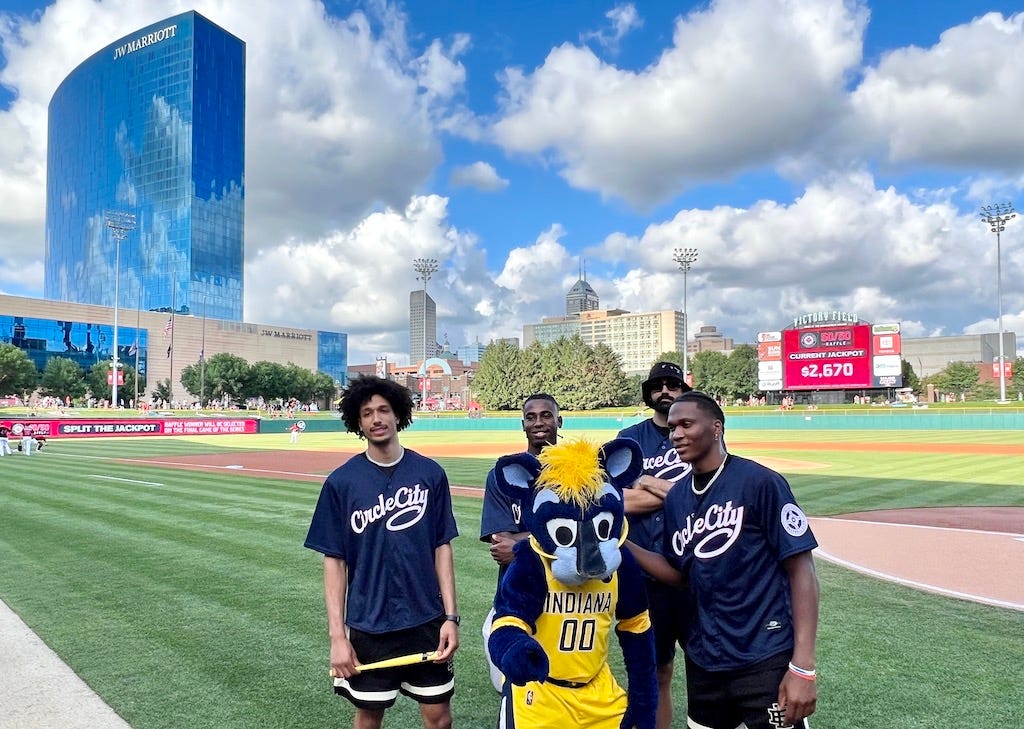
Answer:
(151, 127)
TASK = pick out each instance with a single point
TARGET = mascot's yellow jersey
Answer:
(575, 624)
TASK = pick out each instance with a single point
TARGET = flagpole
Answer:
(138, 325)
(202, 361)
(174, 303)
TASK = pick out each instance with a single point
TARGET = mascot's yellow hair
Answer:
(572, 471)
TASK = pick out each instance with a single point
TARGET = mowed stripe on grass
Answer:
(194, 604)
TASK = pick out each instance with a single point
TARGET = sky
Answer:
(818, 154)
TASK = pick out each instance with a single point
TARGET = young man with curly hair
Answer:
(384, 524)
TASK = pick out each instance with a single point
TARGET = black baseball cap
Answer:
(663, 371)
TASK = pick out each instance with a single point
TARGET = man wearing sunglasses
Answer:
(645, 514)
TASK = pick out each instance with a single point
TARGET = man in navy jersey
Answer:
(384, 524)
(501, 521)
(736, 538)
(645, 513)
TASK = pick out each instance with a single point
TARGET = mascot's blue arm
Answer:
(520, 596)
(637, 648)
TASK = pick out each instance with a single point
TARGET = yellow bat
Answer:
(406, 660)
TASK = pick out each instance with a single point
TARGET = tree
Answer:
(162, 391)
(958, 378)
(1016, 383)
(18, 376)
(267, 380)
(62, 378)
(612, 384)
(670, 356)
(96, 381)
(711, 373)
(532, 374)
(986, 390)
(227, 375)
(496, 385)
(324, 389)
(910, 378)
(741, 372)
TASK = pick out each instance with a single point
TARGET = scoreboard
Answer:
(830, 357)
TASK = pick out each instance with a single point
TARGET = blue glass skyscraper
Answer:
(153, 125)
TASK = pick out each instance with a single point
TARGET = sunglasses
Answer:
(671, 384)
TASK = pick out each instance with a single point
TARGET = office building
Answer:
(153, 125)
(929, 355)
(709, 339)
(638, 338)
(581, 297)
(422, 326)
(159, 344)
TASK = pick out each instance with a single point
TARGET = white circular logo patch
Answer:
(793, 520)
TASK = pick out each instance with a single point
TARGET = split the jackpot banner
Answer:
(830, 351)
(106, 427)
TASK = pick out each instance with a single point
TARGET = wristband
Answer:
(807, 675)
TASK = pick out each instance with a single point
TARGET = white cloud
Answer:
(957, 103)
(345, 127)
(842, 245)
(623, 19)
(338, 118)
(479, 175)
(743, 83)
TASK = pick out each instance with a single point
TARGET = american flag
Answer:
(168, 326)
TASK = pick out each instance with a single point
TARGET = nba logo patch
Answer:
(529, 698)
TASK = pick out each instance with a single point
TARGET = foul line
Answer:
(124, 480)
(853, 566)
(919, 526)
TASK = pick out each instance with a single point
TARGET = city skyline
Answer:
(831, 158)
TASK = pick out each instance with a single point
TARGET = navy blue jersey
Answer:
(730, 544)
(660, 461)
(386, 527)
(500, 514)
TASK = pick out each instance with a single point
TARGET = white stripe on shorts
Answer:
(428, 691)
(368, 696)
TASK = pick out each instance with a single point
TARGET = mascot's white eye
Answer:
(603, 525)
(562, 531)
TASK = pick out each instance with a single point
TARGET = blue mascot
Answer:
(566, 587)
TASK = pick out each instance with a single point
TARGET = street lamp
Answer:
(119, 223)
(685, 257)
(996, 216)
(424, 267)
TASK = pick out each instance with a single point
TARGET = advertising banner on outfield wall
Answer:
(91, 428)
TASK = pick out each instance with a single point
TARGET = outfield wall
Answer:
(918, 420)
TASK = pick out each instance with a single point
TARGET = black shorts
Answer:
(426, 683)
(667, 617)
(727, 699)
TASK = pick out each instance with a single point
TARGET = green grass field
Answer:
(186, 599)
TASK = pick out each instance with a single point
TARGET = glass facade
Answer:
(332, 355)
(84, 343)
(152, 125)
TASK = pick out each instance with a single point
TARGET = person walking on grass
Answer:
(384, 524)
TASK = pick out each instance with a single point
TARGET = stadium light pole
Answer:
(685, 257)
(996, 216)
(119, 223)
(425, 267)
